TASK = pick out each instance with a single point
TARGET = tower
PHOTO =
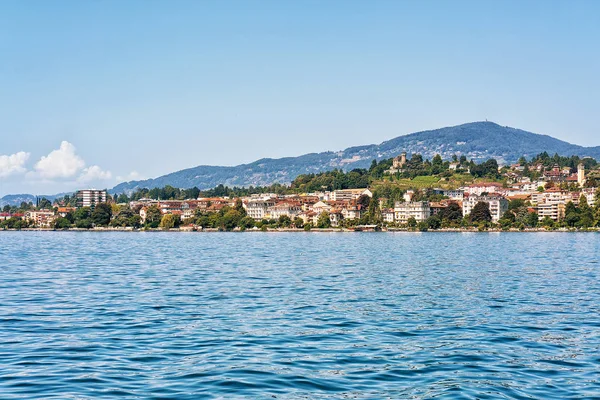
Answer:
(581, 174)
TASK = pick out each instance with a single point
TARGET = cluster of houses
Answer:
(44, 218)
(349, 204)
(339, 204)
(346, 205)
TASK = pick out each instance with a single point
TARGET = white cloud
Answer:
(61, 163)
(13, 164)
(94, 173)
(133, 176)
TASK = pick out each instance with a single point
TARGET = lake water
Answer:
(299, 315)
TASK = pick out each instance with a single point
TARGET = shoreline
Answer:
(313, 230)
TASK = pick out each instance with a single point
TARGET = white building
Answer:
(554, 211)
(498, 205)
(280, 209)
(388, 215)
(419, 210)
(258, 209)
(320, 207)
(480, 188)
(349, 194)
(590, 195)
(353, 211)
(90, 197)
(454, 194)
(41, 218)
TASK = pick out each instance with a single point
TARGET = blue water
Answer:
(299, 315)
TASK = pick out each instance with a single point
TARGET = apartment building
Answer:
(284, 208)
(90, 197)
(349, 194)
(498, 205)
(554, 211)
(258, 209)
(419, 210)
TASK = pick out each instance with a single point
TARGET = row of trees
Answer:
(326, 181)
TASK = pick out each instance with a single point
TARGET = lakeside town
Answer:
(545, 193)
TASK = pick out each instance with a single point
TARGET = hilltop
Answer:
(477, 140)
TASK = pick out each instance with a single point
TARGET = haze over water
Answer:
(299, 315)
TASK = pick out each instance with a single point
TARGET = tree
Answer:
(246, 223)
(122, 217)
(324, 221)
(571, 214)
(452, 213)
(375, 216)
(586, 214)
(532, 219)
(298, 222)
(363, 201)
(547, 222)
(169, 221)
(239, 207)
(122, 198)
(434, 222)
(82, 213)
(230, 218)
(134, 221)
(85, 223)
(284, 221)
(508, 219)
(516, 203)
(44, 203)
(62, 223)
(481, 212)
(153, 217)
(411, 222)
(102, 214)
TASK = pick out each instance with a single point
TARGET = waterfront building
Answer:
(555, 211)
(90, 197)
(388, 215)
(41, 218)
(419, 210)
(258, 208)
(353, 211)
(287, 209)
(498, 205)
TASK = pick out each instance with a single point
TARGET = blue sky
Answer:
(95, 92)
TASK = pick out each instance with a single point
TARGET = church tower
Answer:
(581, 174)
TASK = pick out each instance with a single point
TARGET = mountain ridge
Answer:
(478, 140)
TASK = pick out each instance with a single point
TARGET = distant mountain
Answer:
(17, 199)
(477, 140)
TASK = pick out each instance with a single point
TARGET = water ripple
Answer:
(299, 316)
